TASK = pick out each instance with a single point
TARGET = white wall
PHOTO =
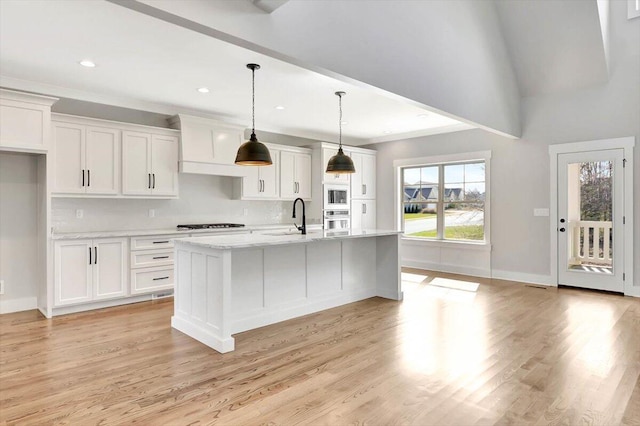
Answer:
(462, 66)
(203, 199)
(18, 231)
(520, 168)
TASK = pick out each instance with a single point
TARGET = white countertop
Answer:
(234, 241)
(169, 231)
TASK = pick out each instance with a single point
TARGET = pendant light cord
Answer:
(253, 100)
(340, 120)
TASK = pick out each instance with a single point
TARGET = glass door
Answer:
(590, 219)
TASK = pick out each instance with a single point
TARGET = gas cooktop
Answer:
(211, 226)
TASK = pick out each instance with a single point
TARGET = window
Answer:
(444, 201)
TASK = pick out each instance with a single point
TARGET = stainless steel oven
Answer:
(337, 219)
(336, 197)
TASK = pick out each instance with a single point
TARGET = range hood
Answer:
(208, 146)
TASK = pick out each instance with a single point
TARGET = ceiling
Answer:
(555, 45)
(148, 64)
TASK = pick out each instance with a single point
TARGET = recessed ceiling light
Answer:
(87, 63)
(203, 90)
(423, 115)
(280, 107)
(386, 132)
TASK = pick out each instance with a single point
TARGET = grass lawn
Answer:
(468, 232)
(414, 216)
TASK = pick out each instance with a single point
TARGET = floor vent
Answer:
(164, 295)
(540, 287)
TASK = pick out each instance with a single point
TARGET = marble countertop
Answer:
(173, 231)
(225, 242)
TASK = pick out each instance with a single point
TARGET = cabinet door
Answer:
(164, 165)
(136, 163)
(109, 268)
(303, 175)
(270, 177)
(252, 183)
(356, 178)
(72, 282)
(327, 153)
(69, 158)
(368, 182)
(356, 214)
(102, 160)
(368, 214)
(288, 187)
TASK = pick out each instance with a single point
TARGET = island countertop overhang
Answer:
(239, 241)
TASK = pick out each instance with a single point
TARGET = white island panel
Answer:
(226, 286)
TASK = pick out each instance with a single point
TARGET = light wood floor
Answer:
(506, 354)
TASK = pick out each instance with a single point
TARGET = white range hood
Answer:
(208, 146)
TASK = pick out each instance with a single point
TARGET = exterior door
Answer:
(590, 219)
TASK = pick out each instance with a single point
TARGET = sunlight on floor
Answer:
(455, 284)
(412, 278)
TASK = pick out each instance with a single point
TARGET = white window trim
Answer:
(436, 160)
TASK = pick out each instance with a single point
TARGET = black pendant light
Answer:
(340, 163)
(253, 152)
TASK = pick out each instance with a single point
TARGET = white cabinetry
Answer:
(149, 164)
(363, 214)
(86, 159)
(25, 121)
(208, 146)
(363, 181)
(152, 263)
(89, 270)
(260, 182)
(295, 175)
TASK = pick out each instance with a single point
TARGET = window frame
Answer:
(461, 158)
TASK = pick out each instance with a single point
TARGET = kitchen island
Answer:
(232, 283)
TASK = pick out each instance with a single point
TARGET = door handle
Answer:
(82, 177)
(364, 189)
(88, 177)
(149, 183)
(89, 255)
(561, 220)
(364, 208)
(154, 181)
(95, 256)
(561, 229)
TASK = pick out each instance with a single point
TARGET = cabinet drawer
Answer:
(152, 242)
(148, 280)
(147, 258)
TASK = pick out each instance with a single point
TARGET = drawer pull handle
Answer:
(161, 242)
(161, 257)
(161, 278)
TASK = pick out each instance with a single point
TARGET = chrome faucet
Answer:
(302, 228)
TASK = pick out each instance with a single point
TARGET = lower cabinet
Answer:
(152, 263)
(363, 214)
(89, 270)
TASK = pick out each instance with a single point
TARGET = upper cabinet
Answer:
(363, 181)
(149, 164)
(25, 121)
(208, 146)
(86, 159)
(99, 158)
(295, 174)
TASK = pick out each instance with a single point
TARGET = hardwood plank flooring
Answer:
(504, 354)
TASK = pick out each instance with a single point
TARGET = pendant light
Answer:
(253, 152)
(340, 163)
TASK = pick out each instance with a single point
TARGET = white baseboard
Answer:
(523, 277)
(17, 305)
(452, 269)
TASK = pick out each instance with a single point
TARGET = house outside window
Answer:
(445, 200)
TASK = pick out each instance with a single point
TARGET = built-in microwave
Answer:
(337, 219)
(336, 197)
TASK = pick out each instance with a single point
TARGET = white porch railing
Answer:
(590, 242)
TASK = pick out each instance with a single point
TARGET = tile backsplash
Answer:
(203, 199)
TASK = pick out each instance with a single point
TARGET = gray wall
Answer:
(18, 228)
(520, 168)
